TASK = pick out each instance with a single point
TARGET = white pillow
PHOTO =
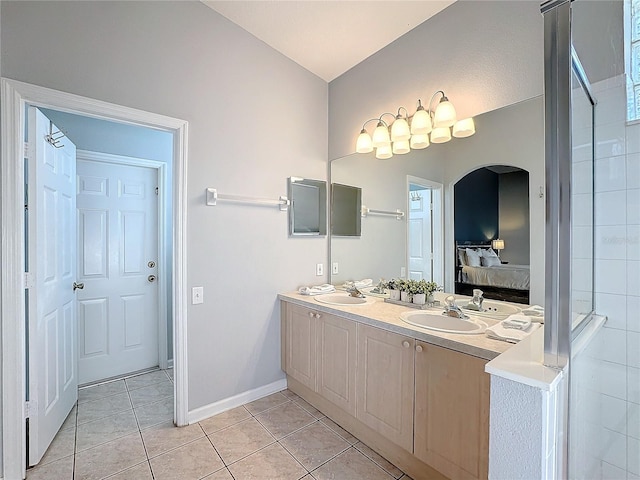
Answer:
(490, 261)
(489, 253)
(473, 258)
(462, 257)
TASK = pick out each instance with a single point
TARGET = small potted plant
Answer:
(430, 288)
(419, 290)
(406, 293)
(394, 289)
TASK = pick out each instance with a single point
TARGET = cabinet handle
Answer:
(418, 348)
(311, 314)
(405, 344)
(318, 315)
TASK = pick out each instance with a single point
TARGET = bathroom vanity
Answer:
(418, 397)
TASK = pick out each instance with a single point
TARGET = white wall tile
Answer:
(633, 138)
(582, 210)
(611, 276)
(614, 448)
(633, 449)
(633, 420)
(582, 144)
(610, 140)
(612, 106)
(633, 242)
(611, 242)
(614, 413)
(610, 174)
(631, 476)
(614, 307)
(582, 246)
(611, 472)
(633, 313)
(633, 384)
(633, 206)
(611, 346)
(633, 349)
(633, 170)
(612, 379)
(633, 277)
(609, 208)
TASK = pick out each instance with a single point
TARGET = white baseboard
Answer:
(169, 365)
(235, 401)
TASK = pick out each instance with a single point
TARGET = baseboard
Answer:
(169, 365)
(235, 401)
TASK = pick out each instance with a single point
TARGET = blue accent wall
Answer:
(476, 206)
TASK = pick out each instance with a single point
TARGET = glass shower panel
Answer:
(582, 158)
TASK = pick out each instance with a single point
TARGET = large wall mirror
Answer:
(509, 140)
(308, 210)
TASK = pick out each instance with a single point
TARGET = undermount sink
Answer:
(443, 323)
(496, 310)
(343, 299)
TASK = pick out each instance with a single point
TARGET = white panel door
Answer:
(53, 379)
(420, 242)
(117, 262)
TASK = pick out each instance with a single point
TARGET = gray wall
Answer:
(513, 205)
(97, 135)
(184, 60)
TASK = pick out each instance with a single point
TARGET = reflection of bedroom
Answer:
(492, 203)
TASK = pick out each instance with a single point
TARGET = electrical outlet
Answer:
(334, 268)
(319, 269)
(197, 295)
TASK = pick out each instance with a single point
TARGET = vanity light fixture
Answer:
(425, 126)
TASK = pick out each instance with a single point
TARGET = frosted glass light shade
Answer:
(364, 145)
(445, 115)
(384, 152)
(421, 122)
(440, 135)
(497, 244)
(381, 136)
(400, 130)
(401, 147)
(419, 141)
(464, 128)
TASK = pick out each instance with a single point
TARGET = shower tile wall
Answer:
(616, 401)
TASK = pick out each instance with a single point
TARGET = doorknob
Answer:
(151, 278)
(151, 264)
(77, 286)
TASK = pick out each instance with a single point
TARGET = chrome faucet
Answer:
(353, 290)
(379, 288)
(451, 309)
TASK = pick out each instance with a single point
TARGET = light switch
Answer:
(334, 268)
(197, 295)
(319, 269)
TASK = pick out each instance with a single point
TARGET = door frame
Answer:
(437, 222)
(161, 169)
(14, 97)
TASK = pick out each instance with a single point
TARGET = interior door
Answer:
(53, 379)
(420, 241)
(117, 263)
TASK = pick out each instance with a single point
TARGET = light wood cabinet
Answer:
(299, 336)
(451, 412)
(384, 384)
(336, 350)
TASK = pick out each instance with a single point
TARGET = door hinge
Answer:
(28, 280)
(156, 190)
(28, 406)
(26, 150)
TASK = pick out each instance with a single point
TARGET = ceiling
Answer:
(328, 37)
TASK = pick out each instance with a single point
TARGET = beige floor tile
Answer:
(189, 462)
(339, 430)
(285, 419)
(95, 392)
(222, 474)
(62, 446)
(151, 393)
(164, 437)
(224, 419)
(139, 472)
(240, 440)
(314, 445)
(110, 458)
(146, 379)
(154, 413)
(405, 477)
(70, 421)
(272, 462)
(169, 372)
(104, 407)
(308, 407)
(265, 403)
(386, 465)
(289, 394)
(350, 465)
(105, 430)
(59, 470)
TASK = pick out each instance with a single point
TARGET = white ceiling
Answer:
(327, 37)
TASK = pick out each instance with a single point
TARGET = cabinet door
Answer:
(452, 412)
(384, 381)
(300, 344)
(337, 361)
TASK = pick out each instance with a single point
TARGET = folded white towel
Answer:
(317, 290)
(511, 335)
(365, 282)
(534, 311)
(517, 322)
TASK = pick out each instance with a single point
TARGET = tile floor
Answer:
(123, 430)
